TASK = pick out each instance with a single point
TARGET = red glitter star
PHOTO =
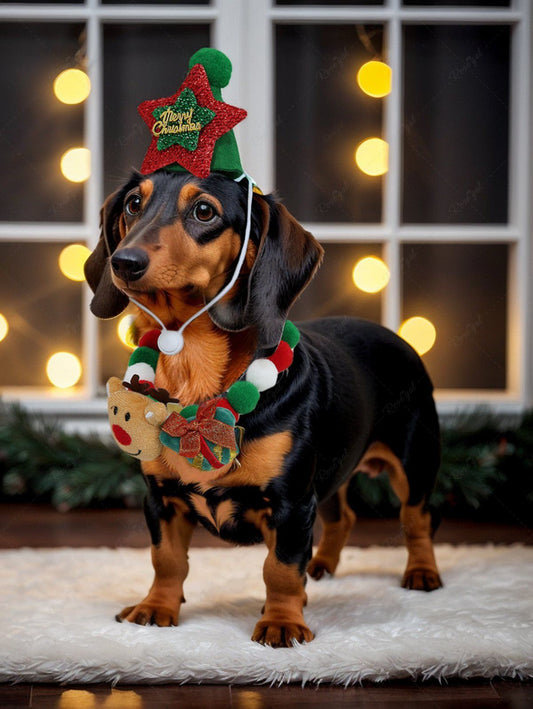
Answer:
(198, 161)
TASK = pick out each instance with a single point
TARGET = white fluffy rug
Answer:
(57, 609)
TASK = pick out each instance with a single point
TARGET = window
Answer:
(449, 214)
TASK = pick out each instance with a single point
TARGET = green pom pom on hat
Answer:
(217, 67)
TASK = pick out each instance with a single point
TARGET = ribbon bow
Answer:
(193, 434)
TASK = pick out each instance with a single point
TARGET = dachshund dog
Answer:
(356, 397)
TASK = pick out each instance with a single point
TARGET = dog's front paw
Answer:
(421, 580)
(149, 614)
(281, 634)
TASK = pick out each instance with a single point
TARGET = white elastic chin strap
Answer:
(171, 342)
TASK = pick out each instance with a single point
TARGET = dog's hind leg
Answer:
(421, 572)
(337, 521)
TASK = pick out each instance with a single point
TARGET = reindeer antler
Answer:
(148, 389)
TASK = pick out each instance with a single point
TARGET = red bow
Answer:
(203, 426)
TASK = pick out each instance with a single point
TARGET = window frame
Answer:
(245, 30)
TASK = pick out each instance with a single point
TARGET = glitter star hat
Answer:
(192, 130)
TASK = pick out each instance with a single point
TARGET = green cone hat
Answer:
(192, 130)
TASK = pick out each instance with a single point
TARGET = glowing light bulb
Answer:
(72, 260)
(63, 369)
(76, 164)
(419, 332)
(4, 327)
(371, 274)
(372, 156)
(72, 86)
(125, 331)
(375, 79)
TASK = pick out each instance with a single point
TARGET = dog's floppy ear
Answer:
(287, 259)
(108, 300)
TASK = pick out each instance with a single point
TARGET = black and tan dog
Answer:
(356, 398)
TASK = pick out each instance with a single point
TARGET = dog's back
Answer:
(369, 385)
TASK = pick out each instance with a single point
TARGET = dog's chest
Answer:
(230, 505)
(233, 514)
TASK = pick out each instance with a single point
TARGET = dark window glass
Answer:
(462, 289)
(321, 117)
(42, 308)
(456, 124)
(113, 354)
(332, 291)
(132, 76)
(35, 128)
(458, 3)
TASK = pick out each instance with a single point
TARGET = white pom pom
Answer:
(262, 373)
(145, 372)
(170, 342)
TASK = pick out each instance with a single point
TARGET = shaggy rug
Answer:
(57, 609)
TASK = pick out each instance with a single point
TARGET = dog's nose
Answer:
(130, 264)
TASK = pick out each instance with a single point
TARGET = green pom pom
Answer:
(243, 397)
(216, 64)
(144, 354)
(291, 334)
(189, 411)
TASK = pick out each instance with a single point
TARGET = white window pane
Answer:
(35, 127)
(456, 124)
(321, 116)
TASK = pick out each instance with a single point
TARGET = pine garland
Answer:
(41, 462)
(486, 472)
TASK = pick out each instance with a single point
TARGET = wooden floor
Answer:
(40, 526)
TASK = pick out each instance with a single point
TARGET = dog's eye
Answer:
(127, 416)
(133, 205)
(204, 212)
(115, 410)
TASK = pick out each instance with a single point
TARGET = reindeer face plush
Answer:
(135, 420)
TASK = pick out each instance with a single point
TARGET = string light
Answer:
(125, 331)
(371, 274)
(72, 86)
(372, 156)
(375, 79)
(63, 369)
(4, 327)
(419, 332)
(72, 260)
(76, 164)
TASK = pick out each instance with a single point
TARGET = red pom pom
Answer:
(225, 403)
(282, 357)
(149, 339)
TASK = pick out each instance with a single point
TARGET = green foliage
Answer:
(486, 471)
(40, 461)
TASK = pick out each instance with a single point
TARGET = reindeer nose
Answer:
(122, 436)
(130, 264)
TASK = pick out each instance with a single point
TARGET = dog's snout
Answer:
(130, 264)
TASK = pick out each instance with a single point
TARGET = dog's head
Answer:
(178, 237)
